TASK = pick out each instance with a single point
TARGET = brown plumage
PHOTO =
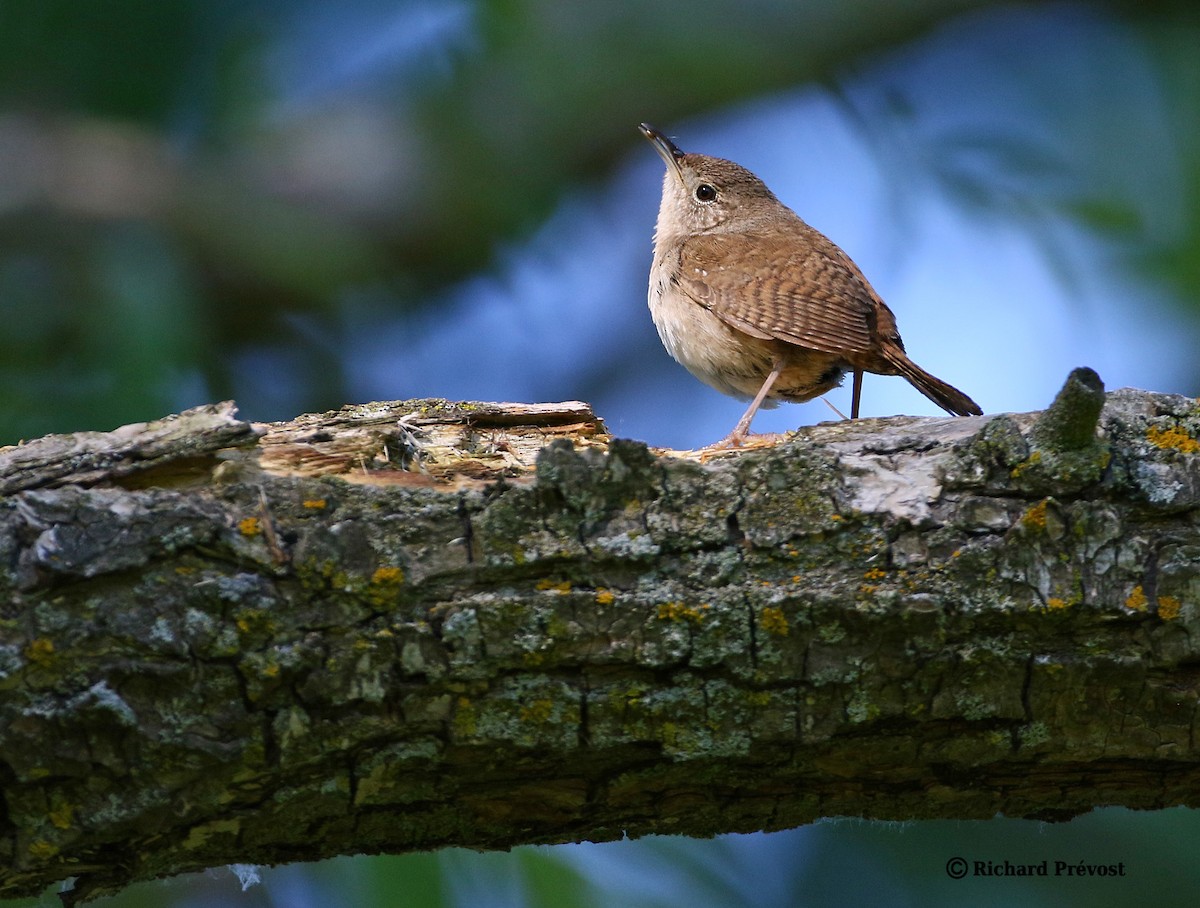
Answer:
(758, 304)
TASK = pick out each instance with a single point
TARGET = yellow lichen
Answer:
(388, 575)
(62, 815)
(384, 585)
(539, 711)
(1020, 468)
(249, 526)
(875, 574)
(465, 718)
(679, 611)
(42, 850)
(40, 651)
(558, 586)
(1136, 599)
(198, 835)
(1054, 602)
(774, 621)
(605, 597)
(1172, 438)
(1168, 608)
(254, 621)
(315, 504)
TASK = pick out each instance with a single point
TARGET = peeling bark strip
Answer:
(396, 627)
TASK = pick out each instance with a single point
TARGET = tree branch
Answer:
(410, 625)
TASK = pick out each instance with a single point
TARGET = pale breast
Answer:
(715, 353)
(733, 362)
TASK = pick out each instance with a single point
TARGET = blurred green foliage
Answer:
(173, 207)
(177, 214)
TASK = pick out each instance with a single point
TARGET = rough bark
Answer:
(408, 625)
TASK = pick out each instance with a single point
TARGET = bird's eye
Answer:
(705, 193)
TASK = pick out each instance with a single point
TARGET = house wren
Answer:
(756, 303)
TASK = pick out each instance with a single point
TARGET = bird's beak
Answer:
(665, 147)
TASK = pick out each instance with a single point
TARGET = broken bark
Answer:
(409, 625)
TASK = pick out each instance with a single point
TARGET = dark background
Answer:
(302, 204)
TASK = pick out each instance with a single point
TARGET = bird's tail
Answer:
(948, 397)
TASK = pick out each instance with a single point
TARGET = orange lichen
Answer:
(1054, 602)
(1172, 438)
(875, 574)
(1136, 599)
(605, 597)
(315, 504)
(249, 526)
(558, 586)
(1035, 517)
(774, 621)
(1168, 607)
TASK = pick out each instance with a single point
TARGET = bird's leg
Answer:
(840, 414)
(856, 394)
(742, 429)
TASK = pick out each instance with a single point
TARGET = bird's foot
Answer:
(737, 439)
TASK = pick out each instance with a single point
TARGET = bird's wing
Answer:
(798, 288)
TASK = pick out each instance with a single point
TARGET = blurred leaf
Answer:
(120, 58)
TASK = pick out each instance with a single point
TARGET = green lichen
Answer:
(861, 709)
(1069, 423)
(831, 633)
(1033, 734)
(973, 707)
